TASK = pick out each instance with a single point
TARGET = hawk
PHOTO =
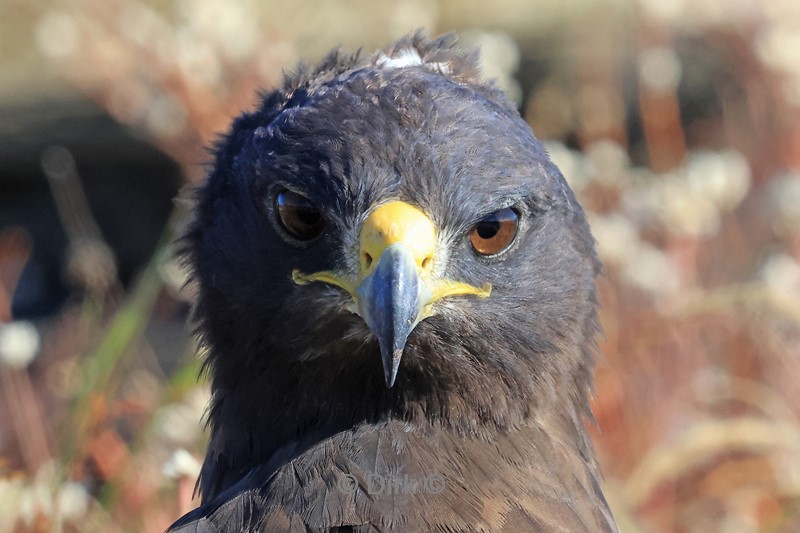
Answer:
(396, 290)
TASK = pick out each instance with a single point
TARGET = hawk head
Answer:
(384, 237)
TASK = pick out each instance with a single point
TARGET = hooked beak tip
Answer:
(391, 363)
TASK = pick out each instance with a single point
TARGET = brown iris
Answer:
(495, 232)
(298, 216)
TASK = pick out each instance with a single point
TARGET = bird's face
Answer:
(393, 219)
(395, 287)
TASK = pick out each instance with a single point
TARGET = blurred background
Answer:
(677, 123)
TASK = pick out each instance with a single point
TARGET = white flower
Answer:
(609, 163)
(784, 197)
(722, 177)
(781, 273)
(779, 47)
(617, 237)
(23, 500)
(72, 501)
(19, 344)
(36, 498)
(11, 494)
(181, 464)
(651, 270)
(685, 211)
(659, 68)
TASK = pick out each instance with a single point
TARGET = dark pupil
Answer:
(307, 215)
(298, 216)
(488, 227)
(495, 232)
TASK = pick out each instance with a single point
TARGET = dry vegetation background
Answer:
(677, 122)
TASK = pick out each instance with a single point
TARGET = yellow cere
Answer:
(397, 222)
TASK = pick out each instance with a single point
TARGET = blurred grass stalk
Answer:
(18, 392)
(26, 416)
(100, 371)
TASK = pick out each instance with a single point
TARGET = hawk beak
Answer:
(391, 301)
(395, 288)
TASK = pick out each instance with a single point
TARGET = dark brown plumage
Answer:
(396, 289)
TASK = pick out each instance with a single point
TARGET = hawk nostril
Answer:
(367, 260)
(426, 263)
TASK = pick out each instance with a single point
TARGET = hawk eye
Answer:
(495, 232)
(298, 216)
